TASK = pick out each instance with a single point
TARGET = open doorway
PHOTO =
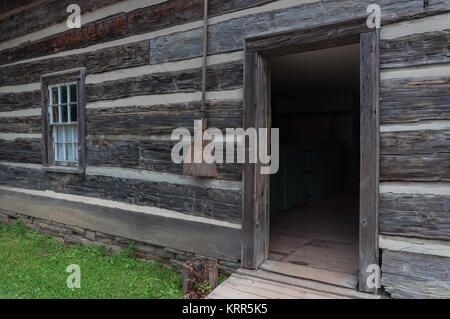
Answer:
(314, 197)
(327, 48)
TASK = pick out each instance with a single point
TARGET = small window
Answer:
(63, 120)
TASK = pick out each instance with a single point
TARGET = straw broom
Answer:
(195, 164)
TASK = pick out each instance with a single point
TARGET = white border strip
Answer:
(127, 207)
(417, 126)
(415, 245)
(146, 175)
(431, 188)
(424, 25)
(281, 4)
(437, 70)
(87, 17)
(14, 136)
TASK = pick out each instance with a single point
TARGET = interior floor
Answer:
(322, 234)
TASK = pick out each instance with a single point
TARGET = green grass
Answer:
(33, 265)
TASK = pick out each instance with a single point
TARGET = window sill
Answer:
(62, 169)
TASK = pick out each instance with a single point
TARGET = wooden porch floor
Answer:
(261, 284)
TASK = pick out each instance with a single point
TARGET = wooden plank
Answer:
(414, 142)
(249, 258)
(414, 99)
(139, 21)
(226, 76)
(224, 292)
(319, 37)
(369, 153)
(99, 61)
(415, 167)
(274, 290)
(229, 35)
(414, 50)
(208, 202)
(407, 275)
(191, 236)
(415, 215)
(322, 275)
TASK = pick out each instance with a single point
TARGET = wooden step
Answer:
(248, 287)
(322, 275)
(306, 283)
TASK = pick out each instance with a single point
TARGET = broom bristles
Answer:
(202, 169)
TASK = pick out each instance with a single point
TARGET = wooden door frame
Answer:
(258, 51)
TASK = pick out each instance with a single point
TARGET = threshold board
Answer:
(322, 275)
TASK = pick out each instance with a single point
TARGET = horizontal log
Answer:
(415, 215)
(21, 100)
(20, 124)
(415, 167)
(194, 200)
(103, 60)
(226, 76)
(44, 15)
(229, 35)
(21, 150)
(122, 25)
(156, 122)
(414, 99)
(408, 275)
(182, 234)
(414, 50)
(414, 142)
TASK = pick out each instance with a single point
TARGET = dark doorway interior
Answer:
(314, 202)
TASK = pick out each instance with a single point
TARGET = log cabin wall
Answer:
(143, 79)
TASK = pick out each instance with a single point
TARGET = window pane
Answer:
(75, 147)
(73, 112)
(69, 153)
(55, 114)
(68, 133)
(63, 94)
(54, 96)
(58, 134)
(64, 114)
(59, 152)
(73, 93)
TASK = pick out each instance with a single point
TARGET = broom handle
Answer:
(205, 51)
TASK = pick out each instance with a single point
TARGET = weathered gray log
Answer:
(113, 58)
(208, 202)
(21, 150)
(415, 167)
(219, 77)
(407, 275)
(185, 235)
(157, 122)
(414, 50)
(414, 142)
(118, 26)
(30, 124)
(229, 35)
(414, 99)
(415, 215)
